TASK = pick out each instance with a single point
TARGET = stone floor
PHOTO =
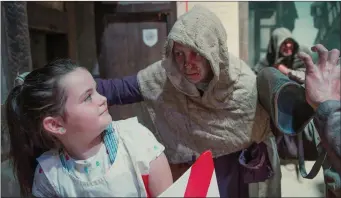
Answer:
(294, 186)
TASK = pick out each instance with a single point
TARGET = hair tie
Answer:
(19, 80)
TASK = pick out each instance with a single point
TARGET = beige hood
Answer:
(227, 118)
(202, 31)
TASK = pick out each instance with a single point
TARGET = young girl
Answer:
(64, 143)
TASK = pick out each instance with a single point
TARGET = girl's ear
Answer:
(54, 125)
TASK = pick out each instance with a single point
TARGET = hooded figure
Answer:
(282, 54)
(201, 97)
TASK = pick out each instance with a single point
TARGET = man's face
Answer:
(287, 48)
(192, 65)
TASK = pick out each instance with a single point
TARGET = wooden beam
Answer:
(135, 17)
(46, 19)
(144, 7)
(71, 30)
(100, 11)
(57, 5)
(172, 17)
(243, 30)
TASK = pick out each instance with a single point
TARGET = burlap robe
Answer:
(226, 119)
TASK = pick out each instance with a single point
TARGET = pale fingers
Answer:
(283, 69)
(298, 76)
(310, 66)
(322, 53)
(333, 57)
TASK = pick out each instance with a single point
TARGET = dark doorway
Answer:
(133, 38)
(56, 46)
(47, 46)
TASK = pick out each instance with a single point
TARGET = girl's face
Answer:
(86, 110)
(192, 65)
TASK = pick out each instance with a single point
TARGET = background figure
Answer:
(282, 54)
(292, 107)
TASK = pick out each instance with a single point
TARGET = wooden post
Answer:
(243, 30)
(72, 36)
(15, 55)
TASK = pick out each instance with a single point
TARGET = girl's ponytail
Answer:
(37, 96)
(22, 150)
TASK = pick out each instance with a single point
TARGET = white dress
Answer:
(96, 176)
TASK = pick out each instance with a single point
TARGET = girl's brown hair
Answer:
(40, 95)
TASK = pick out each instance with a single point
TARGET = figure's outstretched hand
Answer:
(322, 80)
(284, 69)
(297, 76)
